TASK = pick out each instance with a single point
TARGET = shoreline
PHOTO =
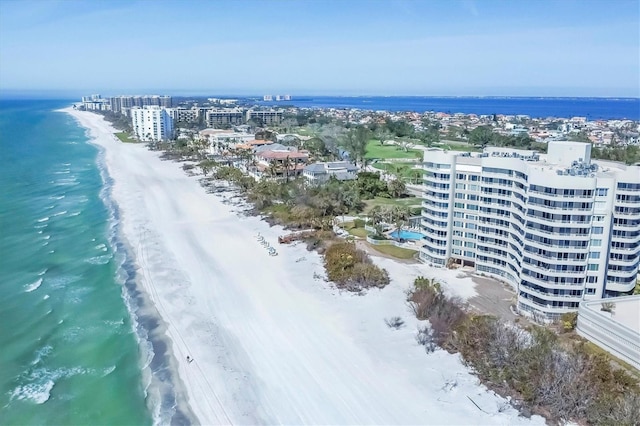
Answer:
(153, 343)
(270, 342)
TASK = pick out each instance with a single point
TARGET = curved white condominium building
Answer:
(558, 227)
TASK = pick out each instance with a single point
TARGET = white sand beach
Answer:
(271, 342)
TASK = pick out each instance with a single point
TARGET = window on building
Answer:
(596, 243)
(594, 255)
(602, 192)
(597, 230)
(592, 267)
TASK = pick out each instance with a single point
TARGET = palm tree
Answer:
(287, 164)
(273, 169)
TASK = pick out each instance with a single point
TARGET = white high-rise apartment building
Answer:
(151, 123)
(558, 227)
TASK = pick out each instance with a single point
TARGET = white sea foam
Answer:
(101, 246)
(74, 213)
(33, 286)
(114, 323)
(43, 352)
(63, 172)
(49, 207)
(44, 271)
(40, 232)
(46, 243)
(108, 371)
(46, 296)
(44, 219)
(41, 380)
(61, 281)
(60, 213)
(54, 197)
(46, 237)
(36, 392)
(99, 260)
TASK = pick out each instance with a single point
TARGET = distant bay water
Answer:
(70, 346)
(592, 108)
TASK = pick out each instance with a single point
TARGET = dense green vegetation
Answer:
(629, 154)
(563, 383)
(351, 269)
(484, 136)
(117, 120)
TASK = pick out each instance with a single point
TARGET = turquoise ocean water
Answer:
(71, 352)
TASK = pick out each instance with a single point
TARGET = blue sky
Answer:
(395, 47)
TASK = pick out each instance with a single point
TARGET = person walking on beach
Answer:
(189, 359)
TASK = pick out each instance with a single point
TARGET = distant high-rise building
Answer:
(151, 123)
(230, 116)
(122, 103)
(268, 117)
(267, 98)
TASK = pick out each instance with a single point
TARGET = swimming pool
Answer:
(406, 235)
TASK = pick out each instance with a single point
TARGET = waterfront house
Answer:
(318, 173)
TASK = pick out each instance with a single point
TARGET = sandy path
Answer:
(272, 344)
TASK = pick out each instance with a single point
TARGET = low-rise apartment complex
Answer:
(558, 227)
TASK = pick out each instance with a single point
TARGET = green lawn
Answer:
(404, 202)
(125, 138)
(375, 150)
(406, 170)
(358, 232)
(397, 252)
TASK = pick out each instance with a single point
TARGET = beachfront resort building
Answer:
(558, 227)
(151, 123)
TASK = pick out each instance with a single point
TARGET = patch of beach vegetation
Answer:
(124, 137)
(352, 269)
(564, 383)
